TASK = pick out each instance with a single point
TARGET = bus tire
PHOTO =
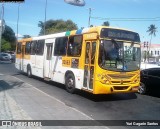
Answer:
(70, 83)
(29, 72)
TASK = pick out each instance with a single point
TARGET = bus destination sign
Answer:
(119, 34)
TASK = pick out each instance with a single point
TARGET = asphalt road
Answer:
(23, 98)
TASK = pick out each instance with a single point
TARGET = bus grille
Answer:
(119, 76)
(120, 82)
(120, 87)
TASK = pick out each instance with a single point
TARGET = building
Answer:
(153, 52)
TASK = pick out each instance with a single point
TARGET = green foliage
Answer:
(56, 26)
(5, 45)
(26, 36)
(152, 29)
(106, 23)
(9, 34)
(8, 39)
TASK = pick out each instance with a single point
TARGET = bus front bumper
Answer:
(101, 88)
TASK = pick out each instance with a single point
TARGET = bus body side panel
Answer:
(36, 64)
(59, 73)
(18, 62)
(26, 62)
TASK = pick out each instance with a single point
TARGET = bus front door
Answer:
(47, 61)
(89, 65)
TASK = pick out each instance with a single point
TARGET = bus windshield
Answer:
(119, 56)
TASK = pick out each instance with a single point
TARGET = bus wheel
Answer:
(142, 88)
(70, 83)
(29, 72)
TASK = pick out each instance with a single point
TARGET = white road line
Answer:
(58, 100)
(1, 74)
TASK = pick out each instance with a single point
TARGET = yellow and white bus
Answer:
(99, 60)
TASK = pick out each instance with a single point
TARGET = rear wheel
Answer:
(29, 72)
(142, 89)
(70, 83)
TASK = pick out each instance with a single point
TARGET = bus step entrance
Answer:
(47, 79)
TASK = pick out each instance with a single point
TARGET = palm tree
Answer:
(152, 29)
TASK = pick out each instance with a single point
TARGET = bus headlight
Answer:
(105, 79)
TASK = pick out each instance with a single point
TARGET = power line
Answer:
(128, 19)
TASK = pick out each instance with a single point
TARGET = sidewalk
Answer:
(22, 101)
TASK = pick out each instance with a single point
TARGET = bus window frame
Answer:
(81, 44)
(19, 48)
(40, 44)
(33, 48)
(57, 40)
(26, 51)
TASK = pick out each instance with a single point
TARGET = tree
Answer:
(26, 36)
(41, 25)
(152, 29)
(106, 23)
(5, 45)
(9, 38)
(56, 26)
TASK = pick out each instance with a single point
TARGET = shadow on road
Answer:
(96, 98)
(5, 86)
(154, 94)
(55, 84)
(107, 97)
(5, 62)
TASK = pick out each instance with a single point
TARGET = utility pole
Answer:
(18, 20)
(1, 25)
(146, 53)
(45, 18)
(89, 20)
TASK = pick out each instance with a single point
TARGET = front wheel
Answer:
(70, 83)
(142, 88)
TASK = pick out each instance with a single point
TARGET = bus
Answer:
(99, 60)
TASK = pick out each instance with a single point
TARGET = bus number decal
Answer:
(66, 62)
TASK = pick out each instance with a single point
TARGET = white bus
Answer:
(84, 59)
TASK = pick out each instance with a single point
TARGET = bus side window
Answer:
(40, 47)
(60, 46)
(33, 47)
(75, 45)
(28, 48)
(19, 45)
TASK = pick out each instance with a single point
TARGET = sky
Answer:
(136, 15)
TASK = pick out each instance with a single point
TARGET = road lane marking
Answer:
(59, 101)
(1, 74)
(56, 99)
